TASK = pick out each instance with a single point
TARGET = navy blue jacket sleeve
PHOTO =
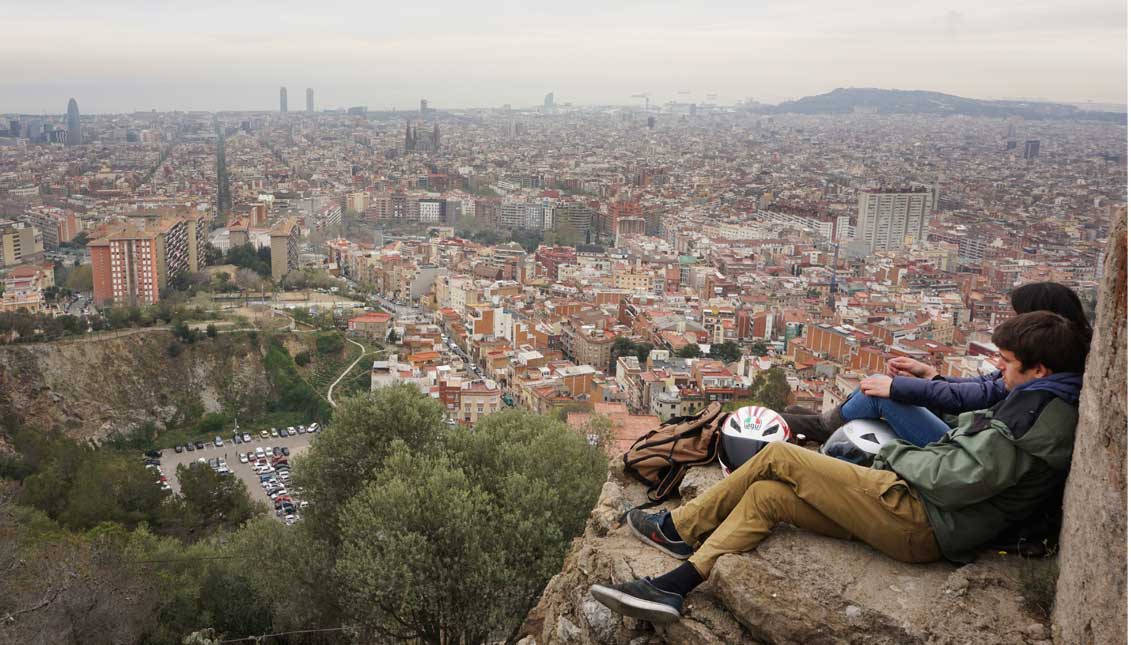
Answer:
(948, 396)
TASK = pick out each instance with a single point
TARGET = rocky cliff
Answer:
(797, 587)
(93, 388)
(1091, 598)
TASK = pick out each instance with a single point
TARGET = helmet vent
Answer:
(870, 437)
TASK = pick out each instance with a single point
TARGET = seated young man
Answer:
(916, 504)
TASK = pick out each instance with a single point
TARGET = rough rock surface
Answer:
(1091, 595)
(797, 587)
(92, 389)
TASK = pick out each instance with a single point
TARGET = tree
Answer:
(727, 352)
(248, 280)
(111, 487)
(80, 279)
(690, 350)
(352, 449)
(302, 359)
(759, 349)
(770, 389)
(212, 255)
(211, 330)
(488, 512)
(211, 499)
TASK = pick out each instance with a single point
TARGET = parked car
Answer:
(237, 439)
(189, 447)
(259, 453)
(274, 432)
(243, 457)
(200, 445)
(286, 451)
(246, 438)
(283, 433)
(153, 454)
(263, 434)
(314, 427)
(178, 449)
(218, 441)
(275, 451)
(302, 429)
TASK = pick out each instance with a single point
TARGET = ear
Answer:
(1040, 371)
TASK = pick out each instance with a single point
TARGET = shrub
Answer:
(302, 359)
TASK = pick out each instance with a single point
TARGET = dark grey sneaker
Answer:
(647, 527)
(640, 599)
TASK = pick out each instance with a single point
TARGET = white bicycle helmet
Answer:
(746, 431)
(859, 441)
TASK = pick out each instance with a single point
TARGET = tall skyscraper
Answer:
(890, 219)
(74, 130)
(1032, 148)
(310, 99)
(423, 106)
(548, 101)
(283, 100)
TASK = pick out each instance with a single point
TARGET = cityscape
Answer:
(454, 323)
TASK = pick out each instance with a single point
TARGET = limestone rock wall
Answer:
(1091, 595)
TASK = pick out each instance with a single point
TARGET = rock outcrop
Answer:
(1091, 596)
(797, 587)
(93, 388)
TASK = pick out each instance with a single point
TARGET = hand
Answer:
(904, 366)
(878, 386)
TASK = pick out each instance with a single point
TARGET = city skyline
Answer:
(1057, 52)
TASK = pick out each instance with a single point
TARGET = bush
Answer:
(211, 330)
(329, 343)
(174, 349)
(302, 359)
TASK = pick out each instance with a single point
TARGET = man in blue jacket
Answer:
(916, 504)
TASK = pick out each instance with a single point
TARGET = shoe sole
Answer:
(626, 605)
(661, 547)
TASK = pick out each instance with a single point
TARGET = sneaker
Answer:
(647, 527)
(640, 599)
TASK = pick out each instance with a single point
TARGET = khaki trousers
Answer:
(787, 483)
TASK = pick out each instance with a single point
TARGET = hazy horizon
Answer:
(122, 56)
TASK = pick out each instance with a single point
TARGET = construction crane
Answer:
(642, 95)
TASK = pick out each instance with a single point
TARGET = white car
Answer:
(274, 432)
(243, 458)
(259, 453)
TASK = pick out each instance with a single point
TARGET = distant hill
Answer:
(845, 100)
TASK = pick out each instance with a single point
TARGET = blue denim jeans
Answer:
(912, 423)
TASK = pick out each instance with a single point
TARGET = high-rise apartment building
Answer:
(579, 216)
(283, 100)
(74, 130)
(423, 106)
(892, 219)
(548, 100)
(1032, 148)
(310, 99)
(284, 247)
(20, 243)
(132, 264)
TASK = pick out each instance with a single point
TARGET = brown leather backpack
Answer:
(661, 458)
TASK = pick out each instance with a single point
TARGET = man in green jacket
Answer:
(943, 500)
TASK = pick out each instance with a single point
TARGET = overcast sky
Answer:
(124, 55)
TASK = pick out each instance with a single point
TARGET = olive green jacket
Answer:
(994, 469)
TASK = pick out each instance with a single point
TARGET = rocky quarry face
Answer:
(796, 587)
(93, 388)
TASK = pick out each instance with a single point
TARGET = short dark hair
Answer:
(1054, 297)
(1046, 338)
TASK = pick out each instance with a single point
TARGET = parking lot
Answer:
(230, 452)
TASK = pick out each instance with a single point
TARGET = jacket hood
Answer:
(1065, 385)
